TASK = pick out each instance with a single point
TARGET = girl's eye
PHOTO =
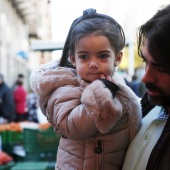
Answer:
(83, 57)
(103, 56)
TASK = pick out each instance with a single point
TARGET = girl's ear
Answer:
(72, 59)
(118, 58)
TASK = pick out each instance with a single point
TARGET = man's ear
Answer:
(72, 59)
(118, 58)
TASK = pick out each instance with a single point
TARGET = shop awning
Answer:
(42, 45)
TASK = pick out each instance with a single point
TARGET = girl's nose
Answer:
(93, 64)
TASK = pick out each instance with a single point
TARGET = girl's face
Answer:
(94, 56)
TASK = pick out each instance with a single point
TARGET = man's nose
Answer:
(149, 76)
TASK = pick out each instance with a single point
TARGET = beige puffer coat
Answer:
(96, 129)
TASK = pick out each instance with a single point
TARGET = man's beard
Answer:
(161, 100)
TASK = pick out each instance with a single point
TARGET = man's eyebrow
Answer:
(153, 63)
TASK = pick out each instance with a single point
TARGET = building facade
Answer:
(21, 22)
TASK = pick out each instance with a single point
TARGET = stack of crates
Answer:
(40, 145)
(7, 166)
(10, 139)
(4, 139)
(31, 166)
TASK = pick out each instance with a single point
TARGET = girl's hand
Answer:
(102, 76)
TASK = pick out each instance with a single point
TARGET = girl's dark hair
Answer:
(92, 22)
(156, 31)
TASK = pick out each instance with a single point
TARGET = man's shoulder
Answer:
(141, 146)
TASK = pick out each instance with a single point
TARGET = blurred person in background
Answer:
(20, 98)
(137, 86)
(150, 149)
(19, 77)
(7, 105)
(32, 105)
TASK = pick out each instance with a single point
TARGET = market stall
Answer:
(27, 142)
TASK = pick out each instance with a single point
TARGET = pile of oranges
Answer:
(11, 127)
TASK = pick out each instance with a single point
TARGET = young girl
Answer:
(95, 112)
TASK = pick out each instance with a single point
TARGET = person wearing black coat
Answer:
(7, 105)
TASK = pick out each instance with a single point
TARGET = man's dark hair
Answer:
(156, 31)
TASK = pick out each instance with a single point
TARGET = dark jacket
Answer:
(159, 157)
(7, 106)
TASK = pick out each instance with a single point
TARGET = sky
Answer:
(129, 13)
